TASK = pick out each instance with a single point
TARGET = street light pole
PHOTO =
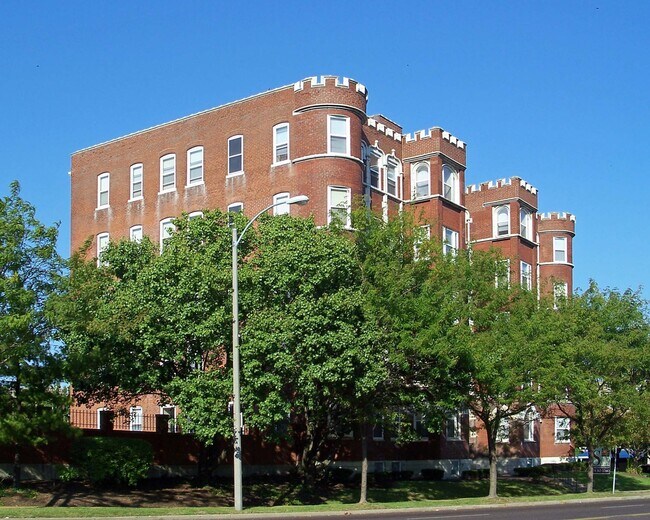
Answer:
(236, 387)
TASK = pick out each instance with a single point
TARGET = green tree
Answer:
(32, 405)
(308, 350)
(496, 334)
(597, 366)
(405, 281)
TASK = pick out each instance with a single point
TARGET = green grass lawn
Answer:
(287, 497)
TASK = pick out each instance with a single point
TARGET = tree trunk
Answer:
(363, 496)
(16, 468)
(492, 449)
(590, 469)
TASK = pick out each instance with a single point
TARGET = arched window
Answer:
(450, 190)
(421, 180)
(525, 224)
(502, 221)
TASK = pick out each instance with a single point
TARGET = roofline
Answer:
(184, 118)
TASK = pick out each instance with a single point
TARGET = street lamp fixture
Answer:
(300, 200)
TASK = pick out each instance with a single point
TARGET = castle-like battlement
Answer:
(321, 81)
(380, 127)
(426, 134)
(500, 183)
(557, 215)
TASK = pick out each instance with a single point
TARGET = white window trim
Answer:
(101, 177)
(172, 426)
(506, 261)
(567, 429)
(239, 172)
(233, 205)
(136, 411)
(452, 247)
(457, 418)
(414, 179)
(275, 144)
(503, 432)
(378, 437)
(455, 184)
(373, 153)
(529, 422)
(100, 249)
(348, 222)
(163, 224)
(495, 220)
(330, 135)
(278, 198)
(195, 214)
(99, 410)
(202, 180)
(134, 229)
(528, 217)
(564, 241)
(162, 159)
(529, 284)
(419, 419)
(131, 183)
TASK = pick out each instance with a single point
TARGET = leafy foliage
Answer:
(108, 460)
(31, 405)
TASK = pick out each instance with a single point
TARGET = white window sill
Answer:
(164, 192)
(338, 154)
(281, 163)
(235, 174)
(102, 207)
(194, 184)
(135, 199)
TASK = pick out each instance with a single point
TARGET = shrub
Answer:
(432, 473)
(108, 460)
(532, 471)
(475, 474)
(339, 475)
(402, 475)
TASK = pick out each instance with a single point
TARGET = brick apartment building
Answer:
(315, 138)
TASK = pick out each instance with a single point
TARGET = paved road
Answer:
(632, 508)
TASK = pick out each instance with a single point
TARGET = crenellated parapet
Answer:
(502, 183)
(556, 221)
(325, 81)
(557, 215)
(384, 129)
(432, 132)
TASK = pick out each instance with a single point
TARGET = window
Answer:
(281, 143)
(135, 423)
(502, 277)
(525, 224)
(562, 430)
(236, 155)
(374, 171)
(170, 412)
(560, 291)
(135, 234)
(166, 229)
(418, 426)
(195, 166)
(473, 429)
(168, 173)
(99, 417)
(421, 181)
(339, 135)
(391, 179)
(338, 205)
(236, 207)
(453, 431)
(559, 249)
(102, 244)
(503, 433)
(526, 276)
(422, 233)
(136, 181)
(195, 214)
(450, 241)
(450, 190)
(378, 432)
(529, 426)
(501, 221)
(282, 208)
(103, 185)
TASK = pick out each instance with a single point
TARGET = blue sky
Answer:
(554, 92)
